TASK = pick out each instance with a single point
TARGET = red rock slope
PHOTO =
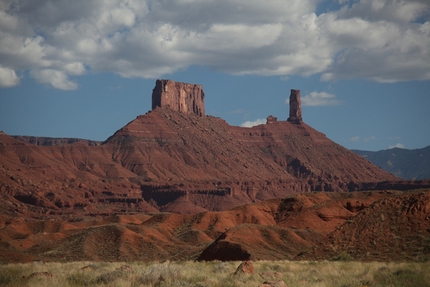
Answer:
(166, 155)
(186, 155)
(387, 226)
(391, 229)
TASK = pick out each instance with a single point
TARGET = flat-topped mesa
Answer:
(295, 107)
(181, 97)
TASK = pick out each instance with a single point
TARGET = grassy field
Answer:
(199, 274)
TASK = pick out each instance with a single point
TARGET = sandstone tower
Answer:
(295, 107)
(182, 97)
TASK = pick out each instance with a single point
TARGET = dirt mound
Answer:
(182, 205)
(390, 229)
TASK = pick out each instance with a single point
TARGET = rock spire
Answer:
(295, 107)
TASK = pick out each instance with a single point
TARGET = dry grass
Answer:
(198, 274)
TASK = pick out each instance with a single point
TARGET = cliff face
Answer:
(181, 97)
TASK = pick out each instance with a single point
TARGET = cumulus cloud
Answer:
(355, 139)
(56, 78)
(249, 124)
(8, 77)
(148, 39)
(397, 145)
(320, 99)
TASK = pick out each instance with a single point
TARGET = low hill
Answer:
(412, 164)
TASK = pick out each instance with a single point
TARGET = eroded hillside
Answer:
(165, 156)
(383, 225)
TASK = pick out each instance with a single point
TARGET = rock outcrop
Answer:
(271, 120)
(245, 267)
(181, 97)
(295, 107)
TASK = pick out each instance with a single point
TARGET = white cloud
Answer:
(138, 38)
(249, 124)
(55, 78)
(75, 68)
(368, 139)
(369, 48)
(355, 139)
(8, 78)
(386, 10)
(397, 145)
(319, 99)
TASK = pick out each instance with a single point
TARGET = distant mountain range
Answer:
(403, 163)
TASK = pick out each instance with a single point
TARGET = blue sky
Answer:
(86, 68)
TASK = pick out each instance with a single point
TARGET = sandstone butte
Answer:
(176, 183)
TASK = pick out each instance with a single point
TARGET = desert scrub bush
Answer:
(10, 275)
(343, 257)
(160, 274)
(110, 277)
(401, 277)
(80, 279)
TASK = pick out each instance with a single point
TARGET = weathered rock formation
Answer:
(271, 120)
(181, 97)
(295, 107)
(176, 160)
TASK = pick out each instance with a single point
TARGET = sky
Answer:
(85, 68)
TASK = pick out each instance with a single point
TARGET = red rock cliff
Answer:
(182, 97)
